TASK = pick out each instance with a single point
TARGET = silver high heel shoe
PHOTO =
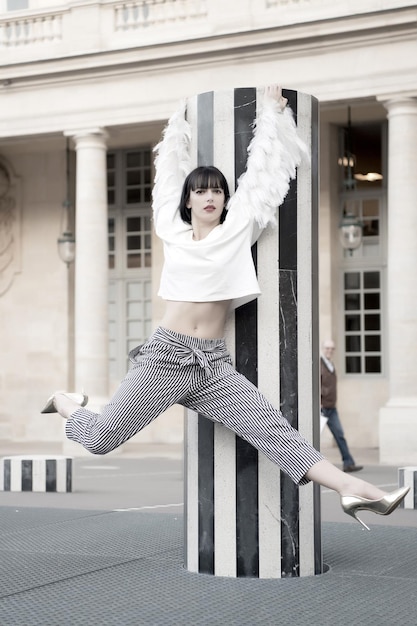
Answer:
(384, 506)
(79, 398)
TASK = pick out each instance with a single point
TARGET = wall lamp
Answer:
(350, 232)
(66, 241)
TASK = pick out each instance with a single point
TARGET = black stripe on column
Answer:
(50, 479)
(205, 134)
(401, 480)
(247, 535)
(314, 237)
(415, 490)
(205, 496)
(205, 128)
(27, 475)
(288, 332)
(315, 317)
(7, 474)
(287, 214)
(69, 475)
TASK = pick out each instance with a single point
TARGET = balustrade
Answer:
(22, 31)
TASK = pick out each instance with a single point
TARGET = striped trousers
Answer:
(171, 368)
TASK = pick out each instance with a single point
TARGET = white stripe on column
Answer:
(191, 490)
(16, 474)
(224, 440)
(224, 142)
(191, 417)
(406, 477)
(269, 512)
(61, 475)
(306, 412)
(38, 474)
(269, 501)
(224, 501)
(304, 274)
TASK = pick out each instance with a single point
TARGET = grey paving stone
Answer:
(71, 568)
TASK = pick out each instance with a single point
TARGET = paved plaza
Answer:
(111, 553)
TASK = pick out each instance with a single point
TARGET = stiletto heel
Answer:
(79, 398)
(384, 506)
(350, 509)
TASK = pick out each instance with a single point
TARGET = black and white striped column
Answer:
(243, 516)
(36, 473)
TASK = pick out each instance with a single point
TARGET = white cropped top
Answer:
(220, 266)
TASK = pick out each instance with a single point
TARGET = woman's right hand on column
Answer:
(275, 93)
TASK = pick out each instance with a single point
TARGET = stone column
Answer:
(398, 419)
(91, 265)
(243, 517)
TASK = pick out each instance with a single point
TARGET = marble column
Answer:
(243, 516)
(398, 419)
(91, 265)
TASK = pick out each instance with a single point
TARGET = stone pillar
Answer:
(243, 517)
(91, 266)
(398, 419)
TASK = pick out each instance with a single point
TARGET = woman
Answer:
(208, 270)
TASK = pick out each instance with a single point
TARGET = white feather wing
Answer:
(273, 156)
(172, 165)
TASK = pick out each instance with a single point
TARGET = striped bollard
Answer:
(407, 477)
(36, 473)
(243, 516)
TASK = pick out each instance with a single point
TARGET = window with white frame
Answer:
(129, 254)
(363, 195)
(363, 321)
(363, 287)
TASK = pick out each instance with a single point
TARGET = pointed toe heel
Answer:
(79, 398)
(384, 506)
(49, 406)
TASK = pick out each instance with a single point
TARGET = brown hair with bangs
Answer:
(203, 177)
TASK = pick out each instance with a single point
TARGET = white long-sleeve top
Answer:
(220, 266)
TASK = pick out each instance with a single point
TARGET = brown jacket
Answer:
(328, 386)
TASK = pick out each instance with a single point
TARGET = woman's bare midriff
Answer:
(205, 320)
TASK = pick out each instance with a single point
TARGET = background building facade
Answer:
(85, 90)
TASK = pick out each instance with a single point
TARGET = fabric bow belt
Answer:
(193, 355)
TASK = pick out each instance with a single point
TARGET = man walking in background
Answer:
(328, 405)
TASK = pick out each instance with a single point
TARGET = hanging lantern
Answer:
(350, 232)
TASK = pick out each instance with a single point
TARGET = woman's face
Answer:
(206, 205)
